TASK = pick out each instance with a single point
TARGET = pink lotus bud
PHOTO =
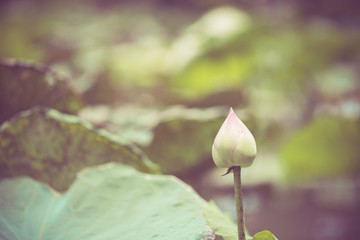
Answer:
(234, 145)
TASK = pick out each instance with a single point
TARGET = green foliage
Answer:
(221, 224)
(178, 139)
(326, 147)
(209, 75)
(142, 59)
(132, 122)
(264, 235)
(204, 72)
(111, 201)
(23, 86)
(52, 147)
(184, 142)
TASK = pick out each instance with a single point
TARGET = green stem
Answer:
(239, 202)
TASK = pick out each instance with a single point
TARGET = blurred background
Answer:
(163, 74)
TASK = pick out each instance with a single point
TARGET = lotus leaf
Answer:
(24, 85)
(183, 142)
(52, 147)
(326, 147)
(110, 201)
(264, 235)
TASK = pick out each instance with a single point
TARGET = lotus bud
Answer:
(234, 145)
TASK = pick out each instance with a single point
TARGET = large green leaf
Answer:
(211, 74)
(264, 235)
(23, 86)
(221, 223)
(111, 201)
(53, 147)
(182, 142)
(327, 147)
(179, 139)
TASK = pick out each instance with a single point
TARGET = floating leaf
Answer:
(52, 147)
(111, 201)
(327, 147)
(23, 86)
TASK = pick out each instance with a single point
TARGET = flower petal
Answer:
(234, 145)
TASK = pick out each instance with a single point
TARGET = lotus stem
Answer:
(239, 202)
